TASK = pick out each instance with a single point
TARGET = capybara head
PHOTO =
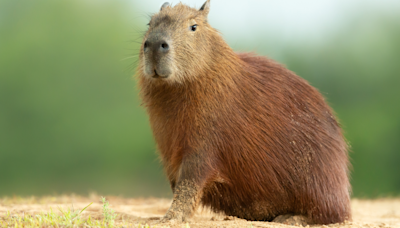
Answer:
(178, 44)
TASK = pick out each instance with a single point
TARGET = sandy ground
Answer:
(366, 213)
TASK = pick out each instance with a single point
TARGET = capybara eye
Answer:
(193, 27)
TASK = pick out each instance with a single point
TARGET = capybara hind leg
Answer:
(290, 219)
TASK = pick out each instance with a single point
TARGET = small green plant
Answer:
(68, 218)
(72, 215)
(65, 218)
(108, 213)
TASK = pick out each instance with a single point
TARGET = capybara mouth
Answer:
(156, 75)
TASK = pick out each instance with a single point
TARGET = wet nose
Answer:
(161, 46)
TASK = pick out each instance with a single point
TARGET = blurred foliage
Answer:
(70, 118)
(71, 121)
(358, 70)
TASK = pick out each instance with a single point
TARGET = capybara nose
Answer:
(164, 47)
(160, 47)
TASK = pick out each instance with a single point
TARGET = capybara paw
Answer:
(292, 220)
(172, 217)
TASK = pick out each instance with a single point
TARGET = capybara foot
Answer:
(291, 219)
(174, 217)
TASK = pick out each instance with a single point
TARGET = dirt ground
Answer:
(382, 213)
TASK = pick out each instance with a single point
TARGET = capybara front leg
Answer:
(185, 202)
(193, 175)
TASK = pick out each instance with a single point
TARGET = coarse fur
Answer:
(239, 132)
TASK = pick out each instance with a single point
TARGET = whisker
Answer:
(129, 57)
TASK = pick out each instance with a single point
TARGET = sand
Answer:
(132, 212)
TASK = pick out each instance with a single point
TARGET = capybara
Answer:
(238, 132)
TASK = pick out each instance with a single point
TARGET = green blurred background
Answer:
(70, 116)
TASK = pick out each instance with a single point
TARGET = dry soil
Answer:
(366, 213)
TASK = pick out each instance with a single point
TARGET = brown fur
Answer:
(239, 132)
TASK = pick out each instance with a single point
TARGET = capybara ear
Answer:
(205, 8)
(164, 5)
